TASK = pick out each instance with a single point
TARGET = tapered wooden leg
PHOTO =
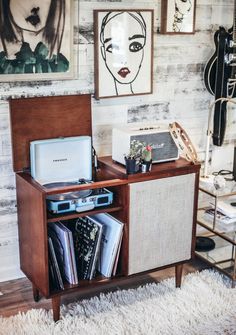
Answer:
(35, 293)
(56, 308)
(178, 274)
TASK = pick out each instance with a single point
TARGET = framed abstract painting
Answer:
(36, 41)
(123, 52)
(178, 16)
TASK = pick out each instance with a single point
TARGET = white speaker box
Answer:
(164, 148)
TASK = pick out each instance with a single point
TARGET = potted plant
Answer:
(146, 158)
(132, 158)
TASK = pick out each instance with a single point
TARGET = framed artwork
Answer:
(178, 16)
(123, 52)
(36, 42)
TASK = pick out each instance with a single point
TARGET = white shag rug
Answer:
(204, 305)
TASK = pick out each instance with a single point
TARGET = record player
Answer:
(79, 201)
(66, 161)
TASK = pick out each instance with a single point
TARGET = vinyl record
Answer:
(204, 244)
(64, 184)
(67, 195)
(58, 184)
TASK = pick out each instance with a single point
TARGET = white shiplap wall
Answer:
(179, 95)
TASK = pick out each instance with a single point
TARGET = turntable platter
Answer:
(67, 195)
(70, 195)
(59, 184)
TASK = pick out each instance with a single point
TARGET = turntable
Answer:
(78, 201)
(62, 162)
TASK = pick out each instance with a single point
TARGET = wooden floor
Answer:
(16, 295)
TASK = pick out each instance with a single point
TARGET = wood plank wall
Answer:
(179, 95)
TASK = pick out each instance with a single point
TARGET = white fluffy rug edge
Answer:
(205, 304)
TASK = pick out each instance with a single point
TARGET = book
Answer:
(62, 239)
(220, 217)
(87, 237)
(227, 206)
(54, 271)
(222, 222)
(111, 238)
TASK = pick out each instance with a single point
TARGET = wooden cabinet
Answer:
(158, 208)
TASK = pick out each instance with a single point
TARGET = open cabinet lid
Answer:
(61, 160)
(44, 118)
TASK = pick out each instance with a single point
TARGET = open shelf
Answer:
(74, 215)
(223, 256)
(227, 233)
(82, 284)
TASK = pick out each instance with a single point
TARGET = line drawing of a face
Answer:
(182, 8)
(123, 37)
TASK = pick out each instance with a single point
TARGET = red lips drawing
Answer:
(123, 72)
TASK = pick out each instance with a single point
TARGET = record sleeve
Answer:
(110, 243)
(86, 237)
(64, 248)
(55, 273)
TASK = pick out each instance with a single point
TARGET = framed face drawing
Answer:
(36, 40)
(123, 52)
(178, 16)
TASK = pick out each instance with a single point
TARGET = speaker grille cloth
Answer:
(164, 147)
(161, 217)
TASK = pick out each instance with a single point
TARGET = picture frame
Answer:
(178, 16)
(37, 40)
(123, 52)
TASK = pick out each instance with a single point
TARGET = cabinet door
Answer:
(160, 222)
